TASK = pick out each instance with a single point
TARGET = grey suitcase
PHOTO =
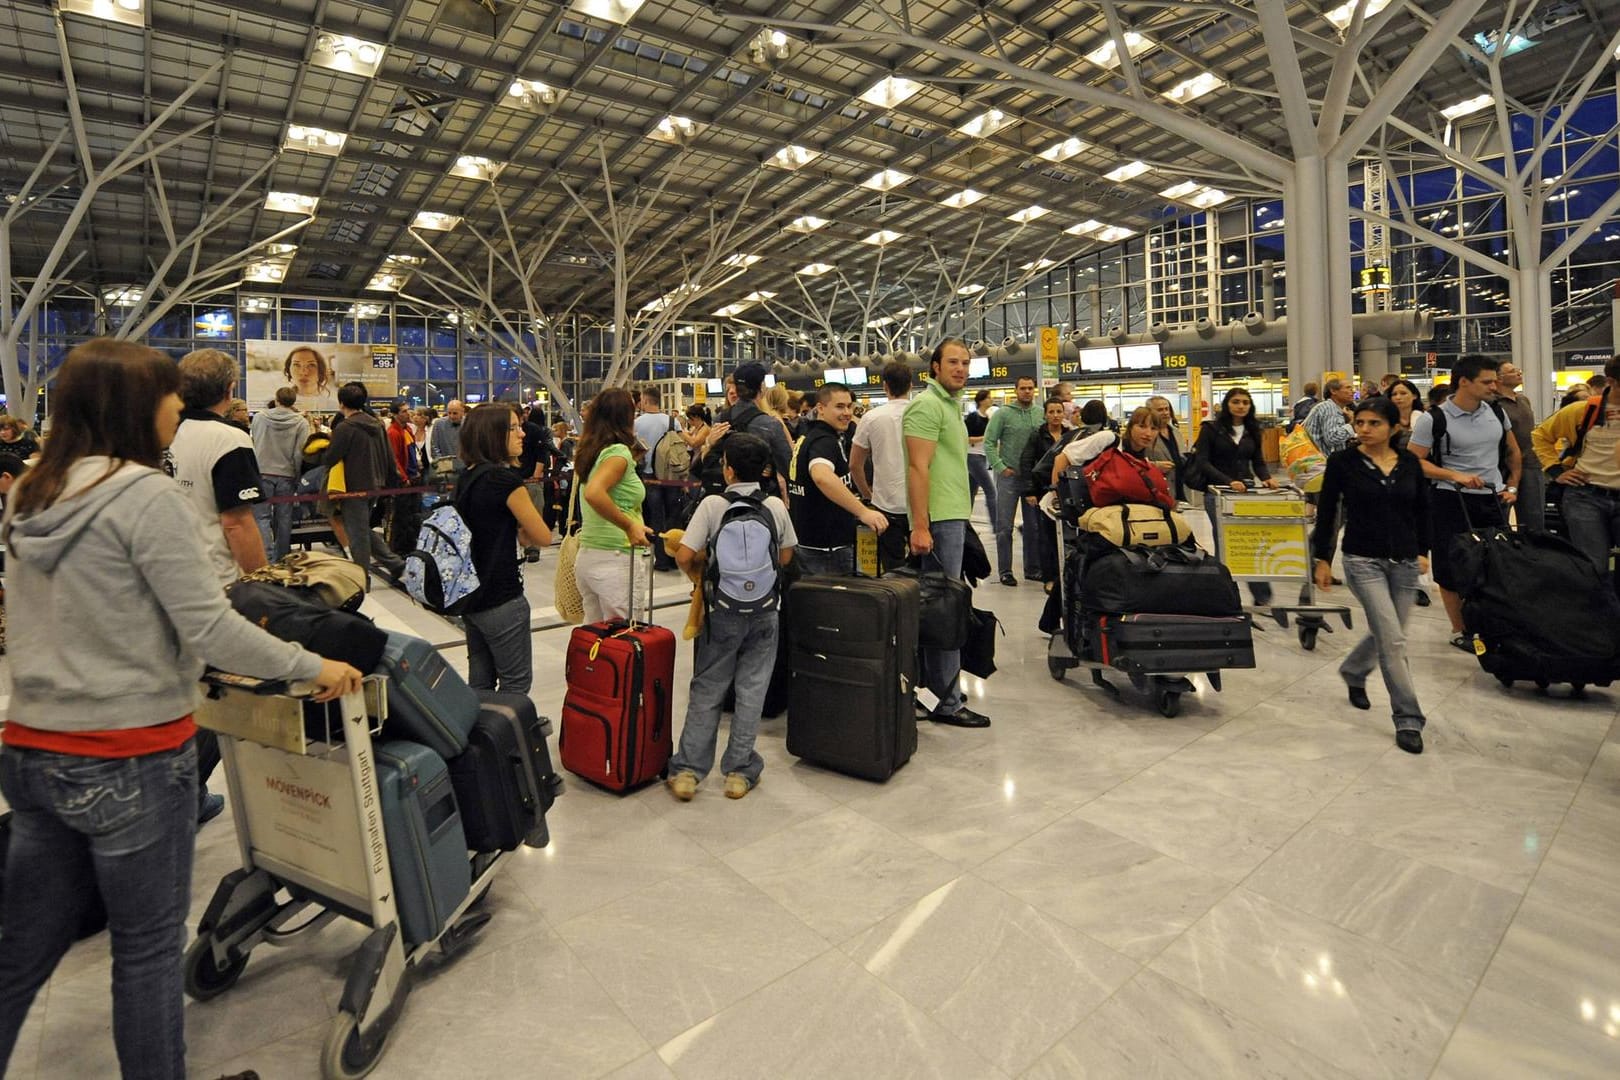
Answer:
(427, 849)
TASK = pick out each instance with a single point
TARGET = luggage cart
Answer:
(1064, 652)
(309, 825)
(1265, 535)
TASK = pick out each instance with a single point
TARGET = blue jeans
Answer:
(979, 480)
(499, 647)
(125, 828)
(1592, 516)
(1009, 504)
(1386, 589)
(941, 667)
(275, 519)
(838, 561)
(732, 650)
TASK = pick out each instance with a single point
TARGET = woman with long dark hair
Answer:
(1386, 542)
(610, 502)
(114, 616)
(1231, 455)
(1408, 402)
(500, 514)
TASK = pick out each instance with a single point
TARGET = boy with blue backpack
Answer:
(741, 539)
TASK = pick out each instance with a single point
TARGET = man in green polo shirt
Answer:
(939, 500)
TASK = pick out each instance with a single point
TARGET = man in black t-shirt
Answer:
(823, 503)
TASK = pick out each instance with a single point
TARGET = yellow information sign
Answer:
(1050, 345)
(866, 551)
(1273, 548)
(1195, 399)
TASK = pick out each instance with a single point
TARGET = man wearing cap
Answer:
(745, 415)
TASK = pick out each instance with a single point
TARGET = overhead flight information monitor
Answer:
(1139, 356)
(1105, 359)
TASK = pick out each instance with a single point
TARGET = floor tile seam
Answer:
(611, 1000)
(1531, 1006)
(209, 1066)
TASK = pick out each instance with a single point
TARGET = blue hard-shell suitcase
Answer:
(427, 849)
(427, 701)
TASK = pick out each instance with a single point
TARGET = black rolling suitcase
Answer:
(504, 780)
(1157, 644)
(852, 688)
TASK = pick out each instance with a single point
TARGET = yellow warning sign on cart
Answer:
(1273, 549)
(1261, 506)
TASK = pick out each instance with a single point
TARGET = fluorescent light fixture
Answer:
(963, 199)
(815, 269)
(1340, 16)
(987, 124)
(881, 237)
(476, 168)
(792, 156)
(351, 55)
(732, 309)
(886, 180)
(256, 303)
(1468, 107)
(1128, 171)
(432, 221)
(314, 140)
(970, 290)
(613, 11)
(1039, 264)
(760, 297)
(1106, 55)
(1028, 214)
(127, 12)
(809, 223)
(1065, 150)
(673, 129)
(529, 94)
(287, 202)
(123, 295)
(742, 261)
(1085, 228)
(890, 91)
(1196, 87)
(909, 312)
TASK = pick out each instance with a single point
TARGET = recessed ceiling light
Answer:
(127, 12)
(530, 94)
(1084, 228)
(809, 223)
(1111, 233)
(1181, 190)
(1196, 87)
(1039, 264)
(986, 124)
(1467, 107)
(271, 271)
(732, 309)
(792, 157)
(351, 55)
(878, 324)
(1065, 150)
(433, 221)
(890, 91)
(963, 199)
(909, 312)
(881, 237)
(1106, 55)
(970, 290)
(759, 297)
(476, 168)
(1340, 16)
(1128, 171)
(287, 202)
(741, 260)
(1028, 214)
(815, 269)
(886, 180)
(314, 140)
(613, 11)
(673, 129)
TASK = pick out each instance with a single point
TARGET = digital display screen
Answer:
(770, 380)
(1139, 356)
(1099, 359)
(978, 367)
(833, 375)
(717, 386)
(855, 376)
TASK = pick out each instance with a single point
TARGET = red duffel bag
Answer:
(1114, 477)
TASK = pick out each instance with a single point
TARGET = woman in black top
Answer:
(499, 513)
(1231, 455)
(1386, 541)
(1408, 400)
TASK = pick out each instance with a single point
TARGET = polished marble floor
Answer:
(1262, 886)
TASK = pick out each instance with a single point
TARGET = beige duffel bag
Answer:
(1137, 525)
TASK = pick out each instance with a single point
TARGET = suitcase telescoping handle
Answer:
(643, 555)
(1468, 517)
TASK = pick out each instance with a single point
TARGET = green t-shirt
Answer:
(936, 415)
(597, 532)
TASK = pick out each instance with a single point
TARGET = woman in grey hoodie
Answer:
(116, 613)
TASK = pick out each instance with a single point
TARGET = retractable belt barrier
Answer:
(335, 496)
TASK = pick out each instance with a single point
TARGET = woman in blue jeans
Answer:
(501, 517)
(114, 614)
(1386, 541)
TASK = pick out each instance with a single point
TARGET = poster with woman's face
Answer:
(316, 370)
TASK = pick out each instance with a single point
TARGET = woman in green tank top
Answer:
(610, 506)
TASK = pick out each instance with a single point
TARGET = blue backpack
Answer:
(741, 575)
(439, 573)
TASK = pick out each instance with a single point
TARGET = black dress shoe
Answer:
(1358, 697)
(1423, 598)
(1009, 580)
(1410, 741)
(963, 717)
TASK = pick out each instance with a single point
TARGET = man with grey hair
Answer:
(444, 441)
(1328, 424)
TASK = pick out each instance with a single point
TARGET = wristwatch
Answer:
(1514, 490)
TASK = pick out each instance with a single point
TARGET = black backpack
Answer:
(740, 417)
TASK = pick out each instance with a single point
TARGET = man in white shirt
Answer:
(878, 438)
(651, 426)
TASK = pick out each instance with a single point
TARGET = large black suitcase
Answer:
(852, 688)
(1537, 608)
(504, 780)
(1157, 644)
(1179, 580)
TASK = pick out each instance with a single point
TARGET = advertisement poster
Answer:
(317, 369)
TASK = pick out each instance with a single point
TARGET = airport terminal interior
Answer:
(529, 201)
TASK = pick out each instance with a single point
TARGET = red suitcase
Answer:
(616, 729)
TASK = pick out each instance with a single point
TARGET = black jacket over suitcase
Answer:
(1157, 644)
(851, 698)
(1537, 608)
(1180, 580)
(504, 780)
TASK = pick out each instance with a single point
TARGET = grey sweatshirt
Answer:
(114, 610)
(278, 441)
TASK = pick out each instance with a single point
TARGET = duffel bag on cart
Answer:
(1137, 525)
(1180, 580)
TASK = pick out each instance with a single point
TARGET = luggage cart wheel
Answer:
(204, 979)
(1542, 684)
(346, 1056)
(1577, 690)
(1307, 637)
(1056, 669)
(1168, 701)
